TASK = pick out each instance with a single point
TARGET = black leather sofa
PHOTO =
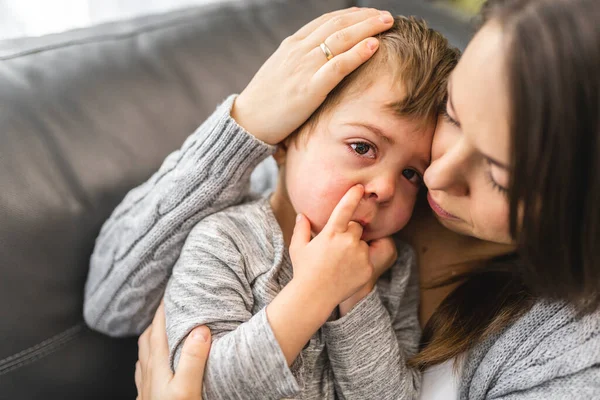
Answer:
(85, 116)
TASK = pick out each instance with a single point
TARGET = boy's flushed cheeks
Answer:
(360, 140)
(375, 128)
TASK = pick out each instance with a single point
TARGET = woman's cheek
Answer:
(492, 221)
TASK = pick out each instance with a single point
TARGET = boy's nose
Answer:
(381, 189)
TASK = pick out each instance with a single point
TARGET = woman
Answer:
(154, 379)
(514, 184)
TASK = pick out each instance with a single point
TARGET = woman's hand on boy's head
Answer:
(297, 78)
(336, 263)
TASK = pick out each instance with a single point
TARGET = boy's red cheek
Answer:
(332, 182)
(394, 218)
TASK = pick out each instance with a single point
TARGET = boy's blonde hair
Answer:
(420, 60)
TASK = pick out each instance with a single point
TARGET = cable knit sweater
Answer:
(549, 353)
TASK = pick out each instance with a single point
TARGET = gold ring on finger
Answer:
(326, 51)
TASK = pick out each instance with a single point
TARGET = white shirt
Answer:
(441, 382)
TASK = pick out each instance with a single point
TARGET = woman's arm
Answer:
(551, 352)
(140, 242)
(582, 385)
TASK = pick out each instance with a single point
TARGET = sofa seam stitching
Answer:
(174, 23)
(40, 350)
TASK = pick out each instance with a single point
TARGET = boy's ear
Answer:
(280, 153)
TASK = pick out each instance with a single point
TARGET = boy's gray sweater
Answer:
(549, 353)
(233, 264)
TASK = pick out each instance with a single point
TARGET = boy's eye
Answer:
(362, 149)
(412, 175)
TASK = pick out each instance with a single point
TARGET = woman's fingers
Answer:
(317, 22)
(343, 212)
(353, 39)
(192, 361)
(347, 38)
(158, 341)
(332, 72)
(144, 348)
(138, 378)
(153, 376)
(336, 27)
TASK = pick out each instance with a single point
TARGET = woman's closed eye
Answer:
(447, 117)
(364, 149)
(497, 177)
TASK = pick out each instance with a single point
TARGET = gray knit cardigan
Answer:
(549, 353)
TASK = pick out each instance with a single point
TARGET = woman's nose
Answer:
(381, 188)
(448, 173)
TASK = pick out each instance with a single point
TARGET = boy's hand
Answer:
(336, 263)
(327, 270)
(383, 254)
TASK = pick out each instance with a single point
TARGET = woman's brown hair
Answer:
(553, 62)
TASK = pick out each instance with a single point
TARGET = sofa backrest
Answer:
(457, 27)
(84, 117)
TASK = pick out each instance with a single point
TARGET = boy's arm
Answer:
(249, 356)
(369, 346)
(209, 287)
(141, 241)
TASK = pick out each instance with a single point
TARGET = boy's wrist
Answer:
(294, 315)
(348, 304)
(315, 299)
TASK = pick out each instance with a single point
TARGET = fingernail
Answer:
(386, 18)
(298, 218)
(200, 334)
(372, 44)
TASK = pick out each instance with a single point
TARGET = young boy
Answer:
(375, 130)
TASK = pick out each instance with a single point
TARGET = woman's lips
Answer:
(439, 210)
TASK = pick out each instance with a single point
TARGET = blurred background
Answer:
(467, 6)
(20, 18)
